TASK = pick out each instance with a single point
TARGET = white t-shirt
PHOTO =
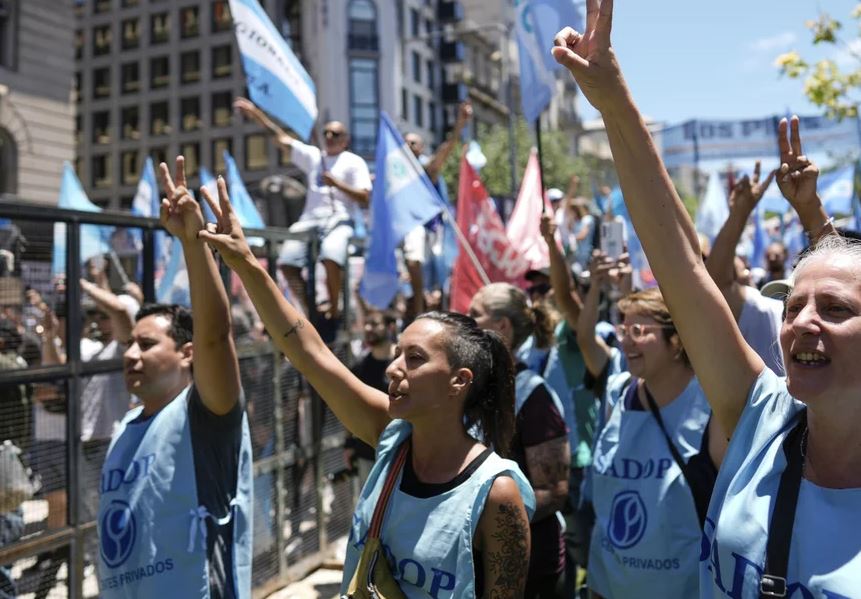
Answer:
(104, 398)
(324, 201)
(759, 322)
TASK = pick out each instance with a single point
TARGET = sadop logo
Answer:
(118, 530)
(627, 520)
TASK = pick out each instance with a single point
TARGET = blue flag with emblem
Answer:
(95, 239)
(537, 22)
(275, 78)
(403, 198)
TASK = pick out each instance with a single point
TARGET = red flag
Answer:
(523, 229)
(480, 223)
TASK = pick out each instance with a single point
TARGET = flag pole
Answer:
(447, 215)
(540, 158)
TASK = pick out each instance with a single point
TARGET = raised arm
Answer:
(361, 408)
(567, 299)
(216, 368)
(595, 352)
(437, 161)
(250, 110)
(721, 261)
(725, 365)
(110, 304)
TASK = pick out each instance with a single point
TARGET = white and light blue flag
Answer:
(147, 203)
(713, 209)
(837, 190)
(95, 239)
(240, 199)
(537, 22)
(211, 185)
(760, 239)
(402, 198)
(276, 80)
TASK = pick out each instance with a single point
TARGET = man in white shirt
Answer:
(339, 183)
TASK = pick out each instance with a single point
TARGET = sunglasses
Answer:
(329, 134)
(638, 331)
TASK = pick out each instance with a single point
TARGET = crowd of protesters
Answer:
(575, 436)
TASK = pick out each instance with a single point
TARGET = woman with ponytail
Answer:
(456, 522)
(540, 444)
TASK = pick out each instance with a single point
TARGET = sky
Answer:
(688, 59)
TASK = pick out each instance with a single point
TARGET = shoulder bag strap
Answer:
(388, 487)
(773, 581)
(653, 407)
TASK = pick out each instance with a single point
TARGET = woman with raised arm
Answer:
(791, 478)
(456, 523)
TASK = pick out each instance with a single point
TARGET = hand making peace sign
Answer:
(590, 58)
(225, 235)
(797, 175)
(180, 213)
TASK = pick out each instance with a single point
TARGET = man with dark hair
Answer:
(175, 509)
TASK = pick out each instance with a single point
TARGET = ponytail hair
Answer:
(489, 402)
(505, 300)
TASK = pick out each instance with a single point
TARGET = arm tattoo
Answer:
(300, 324)
(510, 563)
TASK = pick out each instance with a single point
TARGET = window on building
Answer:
(130, 78)
(405, 104)
(191, 152)
(256, 156)
(102, 82)
(417, 67)
(101, 127)
(190, 66)
(79, 44)
(130, 171)
(221, 20)
(100, 6)
(415, 22)
(159, 116)
(221, 65)
(431, 69)
(190, 110)
(131, 34)
(418, 112)
(432, 116)
(362, 26)
(159, 31)
(364, 103)
(76, 87)
(79, 126)
(291, 25)
(159, 154)
(130, 3)
(8, 163)
(159, 72)
(101, 171)
(189, 19)
(218, 148)
(130, 119)
(8, 34)
(101, 40)
(222, 109)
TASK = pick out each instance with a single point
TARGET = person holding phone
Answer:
(656, 451)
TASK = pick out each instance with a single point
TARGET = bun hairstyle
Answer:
(505, 300)
(650, 302)
(489, 402)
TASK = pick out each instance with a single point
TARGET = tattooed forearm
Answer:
(300, 324)
(508, 560)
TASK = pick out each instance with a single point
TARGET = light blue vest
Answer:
(646, 538)
(825, 554)
(428, 542)
(152, 529)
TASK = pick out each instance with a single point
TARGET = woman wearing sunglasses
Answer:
(656, 455)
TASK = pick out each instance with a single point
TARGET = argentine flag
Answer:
(275, 78)
(240, 199)
(403, 198)
(94, 238)
(147, 203)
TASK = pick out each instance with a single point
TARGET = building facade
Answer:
(36, 112)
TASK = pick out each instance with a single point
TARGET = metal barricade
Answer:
(48, 544)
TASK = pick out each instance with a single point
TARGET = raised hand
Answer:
(180, 213)
(590, 57)
(797, 175)
(246, 107)
(547, 228)
(225, 234)
(748, 191)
